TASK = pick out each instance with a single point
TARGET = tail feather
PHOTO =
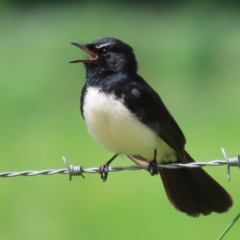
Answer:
(193, 191)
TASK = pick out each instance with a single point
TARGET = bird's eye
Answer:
(104, 51)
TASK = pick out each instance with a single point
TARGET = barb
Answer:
(231, 162)
(78, 170)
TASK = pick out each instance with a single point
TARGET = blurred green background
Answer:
(189, 53)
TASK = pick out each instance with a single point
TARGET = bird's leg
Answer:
(103, 170)
(152, 168)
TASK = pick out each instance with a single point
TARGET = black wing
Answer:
(146, 104)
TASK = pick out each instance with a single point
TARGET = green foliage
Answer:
(190, 56)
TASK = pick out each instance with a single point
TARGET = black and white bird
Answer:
(126, 116)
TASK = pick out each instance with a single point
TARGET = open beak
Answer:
(93, 56)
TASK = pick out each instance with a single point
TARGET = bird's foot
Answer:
(104, 169)
(153, 168)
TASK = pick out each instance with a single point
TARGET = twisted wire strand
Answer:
(72, 170)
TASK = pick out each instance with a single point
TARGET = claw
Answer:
(153, 168)
(103, 171)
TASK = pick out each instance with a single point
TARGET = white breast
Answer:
(114, 127)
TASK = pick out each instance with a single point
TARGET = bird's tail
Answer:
(193, 191)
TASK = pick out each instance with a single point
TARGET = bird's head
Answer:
(108, 54)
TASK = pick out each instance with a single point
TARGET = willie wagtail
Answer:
(127, 117)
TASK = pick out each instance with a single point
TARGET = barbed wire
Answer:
(72, 170)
